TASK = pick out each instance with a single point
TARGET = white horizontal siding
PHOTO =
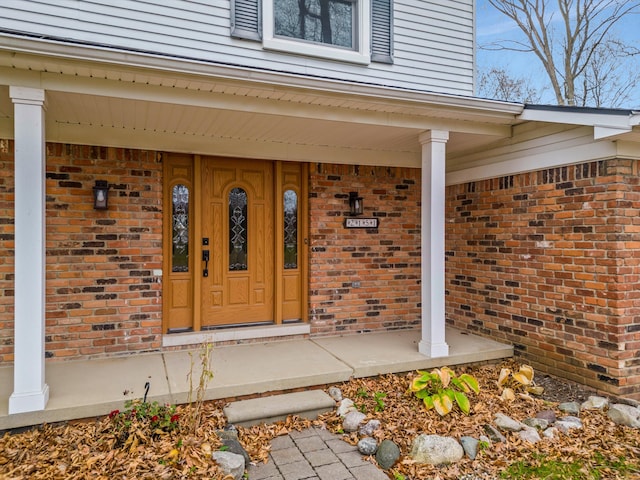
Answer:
(433, 40)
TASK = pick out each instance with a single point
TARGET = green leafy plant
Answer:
(140, 418)
(361, 393)
(520, 382)
(441, 388)
(378, 398)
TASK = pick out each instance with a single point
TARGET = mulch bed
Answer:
(92, 449)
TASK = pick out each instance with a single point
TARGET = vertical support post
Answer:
(433, 342)
(30, 392)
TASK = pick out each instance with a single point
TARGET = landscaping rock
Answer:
(565, 424)
(551, 433)
(346, 406)
(548, 415)
(623, 414)
(368, 446)
(572, 408)
(507, 424)
(230, 440)
(494, 434)
(335, 393)
(352, 421)
(369, 428)
(387, 455)
(530, 435)
(436, 450)
(595, 403)
(537, 423)
(230, 463)
(470, 446)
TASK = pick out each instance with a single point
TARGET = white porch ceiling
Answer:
(172, 126)
(218, 110)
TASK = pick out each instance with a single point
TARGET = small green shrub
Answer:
(378, 398)
(144, 418)
(440, 388)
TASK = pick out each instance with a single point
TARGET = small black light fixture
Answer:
(356, 206)
(100, 195)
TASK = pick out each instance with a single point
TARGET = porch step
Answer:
(308, 404)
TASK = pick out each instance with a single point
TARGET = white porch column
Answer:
(433, 343)
(30, 392)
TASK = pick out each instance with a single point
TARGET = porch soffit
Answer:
(91, 103)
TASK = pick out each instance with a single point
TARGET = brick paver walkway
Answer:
(314, 454)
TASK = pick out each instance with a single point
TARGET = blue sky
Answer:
(492, 26)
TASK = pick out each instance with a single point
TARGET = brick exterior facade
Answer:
(549, 261)
(6, 251)
(384, 262)
(101, 295)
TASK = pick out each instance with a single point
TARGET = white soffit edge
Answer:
(534, 160)
(605, 122)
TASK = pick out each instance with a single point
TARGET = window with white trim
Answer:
(357, 31)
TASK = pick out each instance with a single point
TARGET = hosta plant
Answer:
(441, 389)
(520, 383)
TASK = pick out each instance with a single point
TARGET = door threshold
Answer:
(234, 334)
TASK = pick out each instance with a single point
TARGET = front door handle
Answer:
(205, 259)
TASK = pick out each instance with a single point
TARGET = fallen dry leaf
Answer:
(91, 450)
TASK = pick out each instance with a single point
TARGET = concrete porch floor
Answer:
(80, 389)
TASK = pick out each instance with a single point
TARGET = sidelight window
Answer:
(180, 226)
(238, 230)
(290, 229)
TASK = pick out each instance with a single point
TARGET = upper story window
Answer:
(358, 31)
(332, 22)
(335, 29)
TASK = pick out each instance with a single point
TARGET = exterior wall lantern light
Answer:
(356, 206)
(100, 195)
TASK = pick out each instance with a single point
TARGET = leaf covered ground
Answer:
(94, 449)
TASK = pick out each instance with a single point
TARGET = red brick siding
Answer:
(6, 250)
(101, 294)
(385, 261)
(550, 261)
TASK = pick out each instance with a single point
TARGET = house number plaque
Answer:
(361, 222)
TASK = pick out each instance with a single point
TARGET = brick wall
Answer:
(101, 295)
(550, 262)
(384, 262)
(6, 250)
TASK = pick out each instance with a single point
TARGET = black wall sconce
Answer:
(101, 195)
(356, 206)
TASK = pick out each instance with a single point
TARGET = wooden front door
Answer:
(235, 247)
(237, 226)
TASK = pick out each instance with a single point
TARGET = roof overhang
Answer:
(606, 123)
(129, 99)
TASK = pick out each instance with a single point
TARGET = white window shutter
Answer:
(246, 19)
(382, 31)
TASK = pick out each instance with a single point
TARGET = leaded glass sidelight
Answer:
(238, 233)
(290, 229)
(180, 226)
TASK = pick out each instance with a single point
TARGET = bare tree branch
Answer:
(569, 38)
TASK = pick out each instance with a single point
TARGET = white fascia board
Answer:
(605, 124)
(521, 162)
(110, 58)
